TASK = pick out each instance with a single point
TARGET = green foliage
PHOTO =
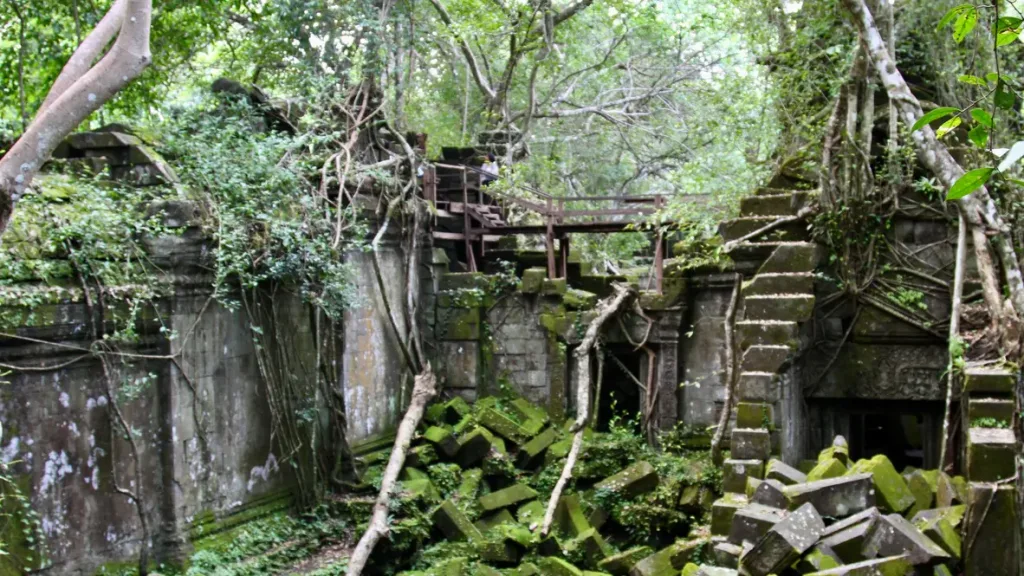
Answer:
(22, 542)
(989, 422)
(908, 298)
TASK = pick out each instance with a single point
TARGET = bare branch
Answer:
(467, 53)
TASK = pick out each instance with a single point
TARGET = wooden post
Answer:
(470, 261)
(659, 252)
(550, 241)
(563, 247)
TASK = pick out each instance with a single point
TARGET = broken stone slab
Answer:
(848, 544)
(492, 520)
(891, 491)
(589, 545)
(525, 410)
(442, 439)
(827, 468)
(998, 409)
(941, 532)
(770, 493)
(474, 446)
(531, 512)
(633, 481)
(470, 485)
(750, 444)
(893, 566)
(454, 410)
(949, 491)
(990, 454)
(894, 535)
(835, 497)
(821, 557)
(784, 307)
(619, 564)
(510, 496)
(454, 524)
(722, 511)
(736, 472)
(531, 454)
(751, 522)
(779, 470)
(784, 543)
(952, 514)
(923, 488)
(726, 554)
(754, 415)
(868, 515)
(503, 426)
(989, 381)
(669, 560)
(570, 517)
(990, 548)
(421, 488)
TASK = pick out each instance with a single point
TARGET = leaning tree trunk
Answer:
(730, 371)
(423, 392)
(80, 90)
(607, 308)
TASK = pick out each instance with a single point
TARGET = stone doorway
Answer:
(620, 394)
(908, 432)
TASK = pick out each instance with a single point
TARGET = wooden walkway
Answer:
(467, 213)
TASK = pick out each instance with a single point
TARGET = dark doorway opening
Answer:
(907, 432)
(620, 395)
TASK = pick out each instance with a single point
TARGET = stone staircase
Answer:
(775, 301)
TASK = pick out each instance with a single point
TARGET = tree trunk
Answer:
(424, 390)
(730, 371)
(954, 335)
(607, 308)
(978, 208)
(78, 92)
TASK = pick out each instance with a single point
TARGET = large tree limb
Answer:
(954, 334)
(978, 208)
(424, 390)
(606, 309)
(125, 61)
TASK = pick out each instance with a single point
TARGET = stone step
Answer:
(989, 381)
(779, 283)
(766, 358)
(758, 386)
(998, 409)
(739, 227)
(990, 454)
(791, 307)
(775, 204)
(790, 257)
(771, 332)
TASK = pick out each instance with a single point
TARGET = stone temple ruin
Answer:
(833, 460)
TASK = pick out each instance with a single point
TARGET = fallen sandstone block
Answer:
(751, 522)
(668, 561)
(619, 564)
(990, 454)
(941, 532)
(770, 493)
(633, 481)
(552, 566)
(895, 566)
(836, 497)
(750, 444)
(779, 470)
(491, 520)
(737, 471)
(507, 497)
(827, 468)
(503, 426)
(891, 491)
(848, 543)
(952, 514)
(922, 486)
(570, 517)
(821, 557)
(532, 453)
(784, 543)
(442, 439)
(894, 535)
(454, 524)
(723, 510)
(727, 554)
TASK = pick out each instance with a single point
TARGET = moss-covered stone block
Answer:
(780, 307)
(459, 324)
(410, 473)
(533, 280)
(525, 410)
(454, 524)
(990, 454)
(552, 566)
(989, 381)
(554, 287)
(421, 488)
(464, 281)
(507, 497)
(923, 490)
(754, 415)
(830, 468)
(470, 484)
(792, 257)
(589, 545)
(723, 510)
(891, 491)
(736, 472)
(570, 516)
(669, 560)
(841, 453)
(990, 409)
(531, 512)
(954, 515)
(575, 299)
(442, 439)
(531, 454)
(940, 531)
(620, 564)
(992, 522)
(421, 456)
(633, 481)
(494, 520)
(503, 426)
(474, 445)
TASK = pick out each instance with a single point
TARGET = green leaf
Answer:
(970, 182)
(953, 13)
(974, 80)
(1005, 98)
(1007, 37)
(982, 117)
(947, 127)
(965, 23)
(1008, 23)
(978, 135)
(1011, 158)
(933, 116)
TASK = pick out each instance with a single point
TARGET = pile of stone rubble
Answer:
(841, 518)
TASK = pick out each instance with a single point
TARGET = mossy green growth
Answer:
(575, 299)
(554, 287)
(551, 566)
(459, 323)
(825, 469)
(533, 280)
(891, 491)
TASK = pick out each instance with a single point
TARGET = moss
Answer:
(206, 524)
(579, 299)
(459, 324)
